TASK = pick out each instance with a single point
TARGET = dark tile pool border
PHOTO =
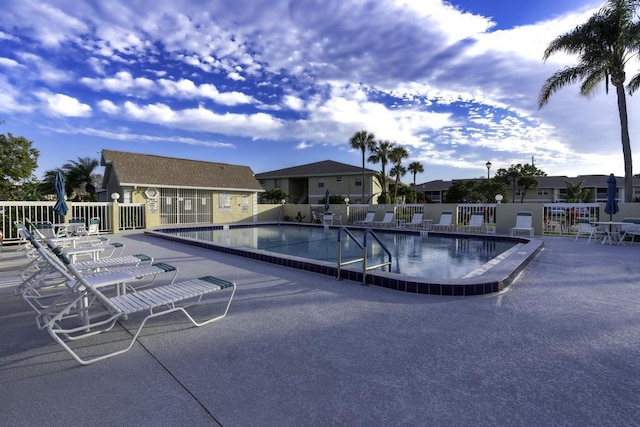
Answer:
(497, 276)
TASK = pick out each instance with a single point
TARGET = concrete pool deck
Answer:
(561, 346)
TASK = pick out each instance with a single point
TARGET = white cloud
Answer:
(108, 107)
(64, 106)
(9, 63)
(259, 125)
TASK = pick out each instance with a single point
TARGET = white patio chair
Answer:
(523, 224)
(416, 221)
(476, 222)
(387, 220)
(446, 218)
(87, 311)
(368, 219)
(92, 230)
(587, 228)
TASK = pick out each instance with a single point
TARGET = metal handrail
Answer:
(362, 246)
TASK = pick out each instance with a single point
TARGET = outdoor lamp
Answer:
(283, 201)
(499, 198)
(346, 200)
(115, 197)
(488, 165)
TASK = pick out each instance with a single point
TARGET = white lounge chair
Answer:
(368, 219)
(387, 220)
(95, 312)
(631, 230)
(476, 222)
(446, 218)
(523, 224)
(416, 221)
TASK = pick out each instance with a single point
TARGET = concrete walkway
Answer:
(560, 347)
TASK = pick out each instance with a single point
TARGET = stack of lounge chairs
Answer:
(76, 299)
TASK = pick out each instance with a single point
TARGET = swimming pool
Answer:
(438, 263)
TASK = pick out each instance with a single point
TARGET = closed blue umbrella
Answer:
(326, 200)
(58, 184)
(611, 207)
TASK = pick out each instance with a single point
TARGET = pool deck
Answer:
(561, 346)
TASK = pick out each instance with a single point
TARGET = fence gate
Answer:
(185, 206)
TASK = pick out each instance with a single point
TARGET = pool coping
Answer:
(495, 276)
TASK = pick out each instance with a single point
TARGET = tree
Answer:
(19, 160)
(397, 155)
(275, 195)
(575, 192)
(380, 154)
(80, 174)
(363, 141)
(519, 175)
(603, 45)
(415, 168)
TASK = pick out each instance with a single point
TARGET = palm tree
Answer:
(604, 45)
(81, 173)
(363, 141)
(380, 154)
(397, 155)
(575, 192)
(415, 168)
(398, 172)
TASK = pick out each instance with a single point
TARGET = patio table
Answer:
(611, 230)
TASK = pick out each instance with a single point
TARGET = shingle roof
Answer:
(326, 167)
(151, 170)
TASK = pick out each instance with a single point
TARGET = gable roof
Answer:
(148, 170)
(323, 168)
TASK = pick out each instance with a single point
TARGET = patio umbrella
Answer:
(326, 201)
(612, 205)
(61, 206)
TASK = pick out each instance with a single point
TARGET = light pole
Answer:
(488, 165)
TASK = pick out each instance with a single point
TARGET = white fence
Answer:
(131, 215)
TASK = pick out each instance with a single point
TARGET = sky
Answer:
(275, 84)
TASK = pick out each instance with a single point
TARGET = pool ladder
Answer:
(363, 246)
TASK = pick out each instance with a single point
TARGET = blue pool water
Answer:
(432, 256)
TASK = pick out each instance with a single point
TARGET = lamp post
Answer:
(488, 165)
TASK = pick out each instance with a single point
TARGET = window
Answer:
(338, 179)
(358, 182)
(276, 183)
(320, 184)
(543, 192)
(224, 201)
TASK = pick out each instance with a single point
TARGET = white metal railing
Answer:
(562, 218)
(132, 216)
(488, 209)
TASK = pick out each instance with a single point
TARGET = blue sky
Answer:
(273, 84)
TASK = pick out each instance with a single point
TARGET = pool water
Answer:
(431, 256)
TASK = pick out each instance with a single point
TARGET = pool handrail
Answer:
(362, 246)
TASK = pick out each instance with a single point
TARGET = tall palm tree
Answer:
(397, 155)
(603, 45)
(363, 141)
(398, 171)
(81, 173)
(380, 154)
(415, 168)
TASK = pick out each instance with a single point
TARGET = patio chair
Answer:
(523, 224)
(476, 222)
(446, 218)
(387, 220)
(92, 230)
(368, 219)
(98, 312)
(631, 230)
(41, 287)
(587, 228)
(416, 221)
